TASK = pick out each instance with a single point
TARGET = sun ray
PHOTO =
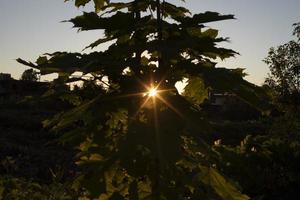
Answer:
(142, 106)
(128, 95)
(157, 134)
(169, 105)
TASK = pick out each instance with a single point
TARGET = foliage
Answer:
(231, 133)
(30, 75)
(32, 164)
(130, 145)
(17, 188)
(283, 83)
(284, 64)
(274, 158)
(196, 96)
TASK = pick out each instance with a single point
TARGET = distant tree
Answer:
(284, 85)
(30, 75)
(284, 65)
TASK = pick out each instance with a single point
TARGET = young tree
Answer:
(137, 137)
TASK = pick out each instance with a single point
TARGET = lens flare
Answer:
(152, 92)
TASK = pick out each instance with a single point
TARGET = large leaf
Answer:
(222, 187)
(201, 18)
(79, 3)
(99, 4)
(90, 21)
(195, 90)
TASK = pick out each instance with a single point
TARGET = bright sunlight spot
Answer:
(152, 92)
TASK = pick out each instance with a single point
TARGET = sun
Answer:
(152, 92)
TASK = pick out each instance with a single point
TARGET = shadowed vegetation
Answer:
(127, 133)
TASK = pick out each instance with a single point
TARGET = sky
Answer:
(29, 28)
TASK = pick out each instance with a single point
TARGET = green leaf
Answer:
(29, 64)
(91, 21)
(213, 33)
(223, 188)
(204, 18)
(195, 91)
(41, 60)
(174, 11)
(79, 3)
(99, 4)
(99, 41)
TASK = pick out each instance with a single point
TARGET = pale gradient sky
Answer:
(29, 28)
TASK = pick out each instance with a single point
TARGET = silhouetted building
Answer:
(4, 76)
(219, 99)
(228, 106)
